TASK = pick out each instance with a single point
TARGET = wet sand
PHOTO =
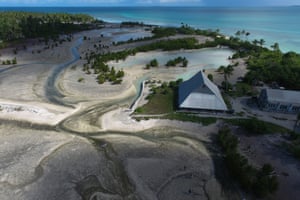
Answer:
(91, 147)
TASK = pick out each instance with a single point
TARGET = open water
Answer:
(273, 24)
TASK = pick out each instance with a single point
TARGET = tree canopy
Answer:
(19, 25)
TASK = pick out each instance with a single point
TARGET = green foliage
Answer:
(294, 146)
(261, 182)
(256, 126)
(227, 141)
(242, 89)
(227, 101)
(152, 63)
(160, 32)
(80, 79)
(105, 73)
(169, 45)
(14, 61)
(191, 118)
(19, 25)
(226, 71)
(163, 32)
(132, 24)
(176, 61)
(269, 66)
(163, 99)
(210, 77)
(10, 62)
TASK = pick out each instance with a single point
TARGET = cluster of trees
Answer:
(132, 24)
(227, 72)
(97, 62)
(183, 29)
(19, 25)
(159, 32)
(172, 63)
(274, 66)
(267, 65)
(152, 63)
(261, 182)
(169, 45)
(113, 76)
(10, 62)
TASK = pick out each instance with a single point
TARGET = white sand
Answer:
(34, 112)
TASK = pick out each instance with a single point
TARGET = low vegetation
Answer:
(274, 66)
(188, 117)
(260, 182)
(179, 60)
(97, 63)
(152, 63)
(256, 126)
(10, 62)
(162, 99)
(20, 25)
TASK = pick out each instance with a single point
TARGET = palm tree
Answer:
(238, 34)
(255, 42)
(226, 71)
(275, 46)
(262, 42)
(247, 34)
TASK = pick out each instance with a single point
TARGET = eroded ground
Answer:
(62, 139)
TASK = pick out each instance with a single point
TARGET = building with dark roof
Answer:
(201, 94)
(276, 100)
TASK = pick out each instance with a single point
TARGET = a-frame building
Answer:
(200, 93)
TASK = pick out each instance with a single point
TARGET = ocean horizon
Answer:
(273, 24)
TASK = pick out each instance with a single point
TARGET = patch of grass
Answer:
(191, 118)
(227, 101)
(163, 99)
(256, 126)
(159, 103)
(241, 114)
(81, 79)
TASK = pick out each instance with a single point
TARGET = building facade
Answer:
(275, 100)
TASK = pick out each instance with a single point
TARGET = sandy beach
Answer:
(91, 147)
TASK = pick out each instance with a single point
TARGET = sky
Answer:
(148, 2)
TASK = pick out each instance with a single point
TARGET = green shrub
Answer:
(261, 182)
(80, 79)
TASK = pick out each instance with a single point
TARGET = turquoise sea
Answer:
(273, 24)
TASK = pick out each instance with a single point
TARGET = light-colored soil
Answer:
(92, 148)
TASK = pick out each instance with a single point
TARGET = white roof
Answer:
(200, 93)
(283, 96)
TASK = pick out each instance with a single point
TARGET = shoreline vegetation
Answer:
(16, 26)
(263, 64)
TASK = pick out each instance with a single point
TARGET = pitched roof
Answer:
(200, 93)
(283, 96)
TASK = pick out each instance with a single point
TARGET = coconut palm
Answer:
(247, 34)
(262, 42)
(275, 46)
(226, 71)
(255, 42)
